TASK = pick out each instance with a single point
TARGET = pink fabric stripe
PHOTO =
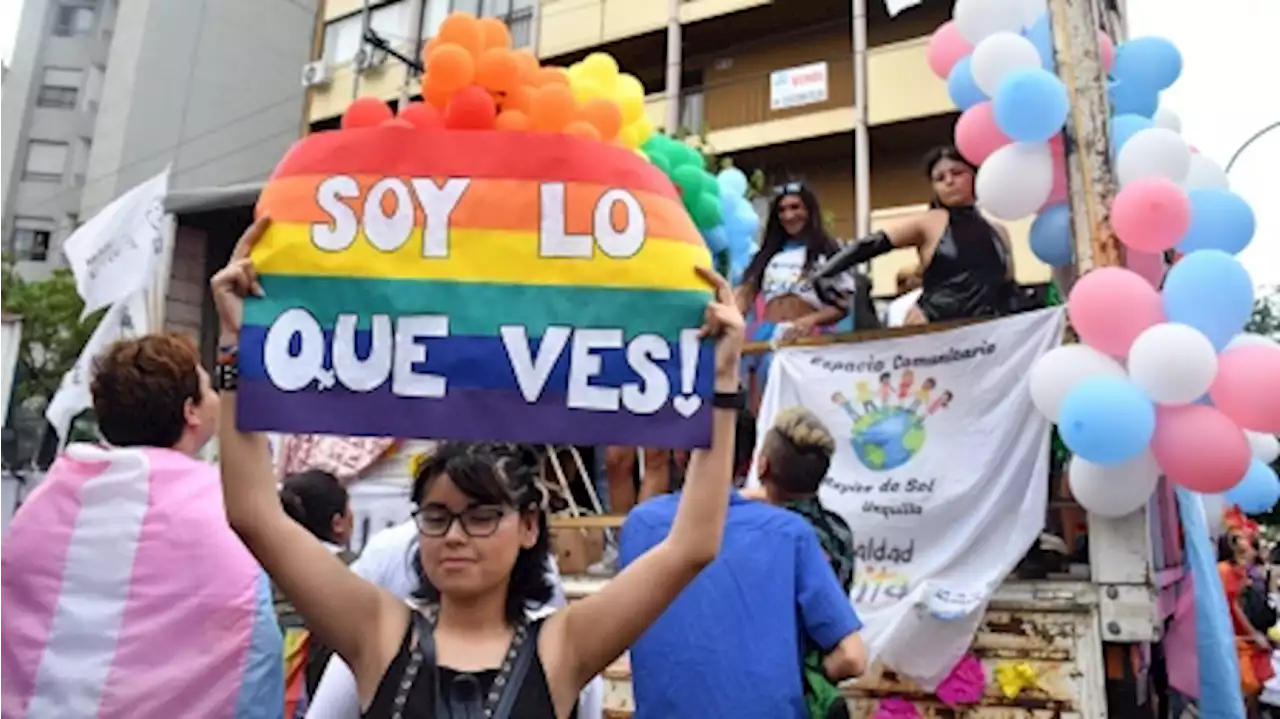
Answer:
(33, 559)
(192, 603)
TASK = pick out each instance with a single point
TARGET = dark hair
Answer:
(938, 154)
(505, 474)
(744, 442)
(140, 388)
(817, 242)
(799, 447)
(313, 498)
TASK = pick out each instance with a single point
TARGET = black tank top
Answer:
(968, 275)
(533, 697)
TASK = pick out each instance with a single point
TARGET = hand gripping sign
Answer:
(479, 285)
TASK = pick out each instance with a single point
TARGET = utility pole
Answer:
(675, 52)
(861, 132)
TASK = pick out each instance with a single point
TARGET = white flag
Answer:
(895, 7)
(115, 254)
(125, 319)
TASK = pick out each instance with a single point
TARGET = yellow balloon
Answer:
(629, 94)
(643, 129)
(600, 68)
(584, 89)
(629, 136)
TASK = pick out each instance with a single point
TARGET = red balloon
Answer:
(422, 116)
(397, 122)
(365, 112)
(471, 108)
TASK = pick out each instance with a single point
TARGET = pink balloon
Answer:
(1107, 50)
(1058, 150)
(1200, 448)
(1110, 306)
(946, 48)
(977, 135)
(1151, 214)
(1247, 388)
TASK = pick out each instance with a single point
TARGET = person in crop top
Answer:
(775, 288)
(966, 262)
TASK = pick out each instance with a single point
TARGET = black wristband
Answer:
(226, 371)
(730, 400)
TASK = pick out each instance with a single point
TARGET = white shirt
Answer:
(387, 561)
(901, 307)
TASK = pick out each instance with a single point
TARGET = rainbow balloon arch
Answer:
(475, 81)
(1166, 382)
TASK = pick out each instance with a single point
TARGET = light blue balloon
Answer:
(1210, 291)
(739, 258)
(1220, 220)
(1051, 236)
(1107, 420)
(1041, 36)
(1258, 491)
(1031, 105)
(746, 217)
(1132, 99)
(732, 182)
(961, 86)
(1153, 63)
(1124, 127)
(717, 239)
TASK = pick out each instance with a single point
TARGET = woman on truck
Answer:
(468, 648)
(1247, 602)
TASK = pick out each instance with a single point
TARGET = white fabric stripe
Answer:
(72, 675)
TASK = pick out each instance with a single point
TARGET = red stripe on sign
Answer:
(471, 153)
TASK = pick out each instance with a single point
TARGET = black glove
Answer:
(854, 253)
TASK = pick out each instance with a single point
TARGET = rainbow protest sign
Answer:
(476, 285)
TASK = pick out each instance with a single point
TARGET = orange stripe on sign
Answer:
(509, 205)
(400, 151)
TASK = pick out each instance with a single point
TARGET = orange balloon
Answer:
(604, 115)
(471, 108)
(432, 44)
(497, 71)
(494, 32)
(365, 112)
(422, 116)
(551, 76)
(436, 97)
(552, 108)
(463, 29)
(450, 67)
(529, 66)
(512, 121)
(583, 129)
(519, 98)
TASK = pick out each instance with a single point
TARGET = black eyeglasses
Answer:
(788, 188)
(477, 522)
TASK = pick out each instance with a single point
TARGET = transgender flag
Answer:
(127, 596)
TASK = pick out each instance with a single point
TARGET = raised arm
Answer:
(342, 609)
(592, 632)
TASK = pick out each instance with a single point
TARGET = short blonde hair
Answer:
(799, 448)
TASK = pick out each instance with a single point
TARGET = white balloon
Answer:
(1174, 363)
(1116, 490)
(1215, 507)
(1249, 339)
(1154, 152)
(998, 55)
(1265, 447)
(1015, 181)
(1061, 369)
(978, 19)
(1167, 119)
(1203, 172)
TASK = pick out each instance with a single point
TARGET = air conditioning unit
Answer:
(369, 58)
(316, 74)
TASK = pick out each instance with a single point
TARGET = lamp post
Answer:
(1252, 139)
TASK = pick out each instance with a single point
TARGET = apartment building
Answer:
(103, 94)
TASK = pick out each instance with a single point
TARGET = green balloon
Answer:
(706, 211)
(683, 155)
(709, 183)
(689, 179)
(660, 162)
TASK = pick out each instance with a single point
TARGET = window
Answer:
(342, 37)
(60, 88)
(517, 14)
(73, 19)
(31, 238)
(45, 160)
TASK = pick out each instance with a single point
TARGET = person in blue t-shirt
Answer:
(731, 645)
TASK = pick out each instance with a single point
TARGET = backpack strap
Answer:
(526, 653)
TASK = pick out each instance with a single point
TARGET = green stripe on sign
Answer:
(478, 309)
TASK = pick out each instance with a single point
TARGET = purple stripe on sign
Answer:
(466, 414)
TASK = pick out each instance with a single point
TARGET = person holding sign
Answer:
(468, 647)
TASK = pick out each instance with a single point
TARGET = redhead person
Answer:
(468, 650)
(966, 262)
(1237, 554)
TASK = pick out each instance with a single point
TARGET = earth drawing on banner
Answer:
(888, 427)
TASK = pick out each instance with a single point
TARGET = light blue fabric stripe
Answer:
(1220, 696)
(262, 684)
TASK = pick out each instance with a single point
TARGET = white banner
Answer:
(798, 86)
(128, 318)
(115, 254)
(941, 471)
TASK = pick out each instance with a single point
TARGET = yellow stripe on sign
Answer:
(483, 256)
